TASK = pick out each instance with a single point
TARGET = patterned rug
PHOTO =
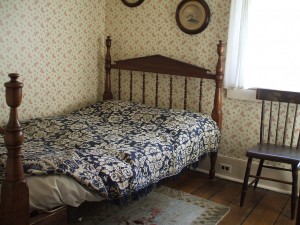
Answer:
(163, 206)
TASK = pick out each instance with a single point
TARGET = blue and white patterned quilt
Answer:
(116, 147)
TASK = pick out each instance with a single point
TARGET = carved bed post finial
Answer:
(14, 190)
(107, 89)
(217, 110)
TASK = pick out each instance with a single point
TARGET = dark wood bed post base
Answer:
(217, 110)
(14, 190)
(213, 160)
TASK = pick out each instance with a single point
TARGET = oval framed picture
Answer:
(192, 16)
(132, 3)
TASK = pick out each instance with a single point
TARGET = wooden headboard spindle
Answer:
(156, 90)
(200, 95)
(144, 88)
(171, 92)
(119, 83)
(130, 86)
(14, 190)
(185, 93)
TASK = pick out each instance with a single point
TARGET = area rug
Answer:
(163, 206)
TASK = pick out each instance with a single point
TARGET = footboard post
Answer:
(107, 88)
(217, 110)
(14, 190)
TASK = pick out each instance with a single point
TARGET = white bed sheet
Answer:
(49, 192)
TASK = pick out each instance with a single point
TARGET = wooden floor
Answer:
(261, 206)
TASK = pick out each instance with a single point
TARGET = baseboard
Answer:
(238, 171)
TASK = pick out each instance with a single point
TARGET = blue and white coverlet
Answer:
(114, 147)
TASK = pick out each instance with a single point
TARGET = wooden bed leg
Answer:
(213, 160)
(107, 88)
(14, 190)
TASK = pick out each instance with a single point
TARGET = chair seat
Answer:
(277, 153)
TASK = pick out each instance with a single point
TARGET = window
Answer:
(264, 45)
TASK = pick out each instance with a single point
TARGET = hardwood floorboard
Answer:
(261, 207)
(193, 183)
(226, 195)
(285, 216)
(210, 188)
(238, 214)
(268, 209)
(172, 182)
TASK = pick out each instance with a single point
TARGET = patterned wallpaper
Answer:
(57, 47)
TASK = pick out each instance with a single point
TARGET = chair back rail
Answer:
(273, 100)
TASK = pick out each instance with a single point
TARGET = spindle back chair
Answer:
(279, 140)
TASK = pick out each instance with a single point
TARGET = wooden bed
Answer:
(14, 190)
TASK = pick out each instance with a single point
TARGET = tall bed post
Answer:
(217, 110)
(107, 88)
(14, 190)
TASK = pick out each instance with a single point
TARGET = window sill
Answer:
(242, 94)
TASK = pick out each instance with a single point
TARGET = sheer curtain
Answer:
(236, 44)
(269, 45)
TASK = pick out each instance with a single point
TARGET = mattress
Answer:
(49, 192)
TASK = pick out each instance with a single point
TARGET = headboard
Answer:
(163, 65)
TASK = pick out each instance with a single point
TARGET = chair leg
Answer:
(298, 212)
(258, 173)
(246, 179)
(294, 191)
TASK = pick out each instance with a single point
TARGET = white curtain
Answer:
(236, 44)
(264, 47)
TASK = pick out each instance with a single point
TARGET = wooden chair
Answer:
(279, 140)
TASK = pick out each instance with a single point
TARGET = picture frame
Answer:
(132, 3)
(192, 16)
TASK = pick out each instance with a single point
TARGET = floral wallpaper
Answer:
(57, 47)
